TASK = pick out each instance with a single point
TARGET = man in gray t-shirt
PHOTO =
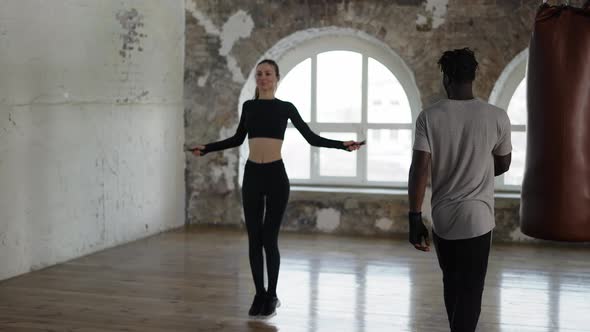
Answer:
(463, 142)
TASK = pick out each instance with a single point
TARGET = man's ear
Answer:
(446, 80)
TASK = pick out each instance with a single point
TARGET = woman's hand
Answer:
(197, 150)
(353, 145)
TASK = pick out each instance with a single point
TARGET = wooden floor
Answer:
(199, 280)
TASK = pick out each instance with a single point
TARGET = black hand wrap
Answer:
(417, 229)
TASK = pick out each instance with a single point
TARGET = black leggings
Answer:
(265, 185)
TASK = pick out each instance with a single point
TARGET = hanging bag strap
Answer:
(567, 2)
(586, 5)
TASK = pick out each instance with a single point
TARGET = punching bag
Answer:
(555, 202)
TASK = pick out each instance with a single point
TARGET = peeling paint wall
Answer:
(378, 215)
(224, 40)
(347, 213)
(91, 127)
(434, 15)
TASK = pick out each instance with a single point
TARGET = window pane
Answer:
(339, 87)
(515, 174)
(517, 107)
(387, 100)
(296, 88)
(296, 154)
(337, 162)
(389, 154)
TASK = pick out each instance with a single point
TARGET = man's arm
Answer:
(417, 181)
(503, 147)
(502, 164)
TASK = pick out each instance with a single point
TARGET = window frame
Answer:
(504, 89)
(361, 129)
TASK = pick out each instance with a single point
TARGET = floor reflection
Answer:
(360, 297)
(387, 297)
(340, 292)
(328, 284)
(524, 300)
(574, 306)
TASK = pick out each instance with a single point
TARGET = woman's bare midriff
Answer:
(264, 149)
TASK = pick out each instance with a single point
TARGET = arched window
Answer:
(510, 94)
(348, 88)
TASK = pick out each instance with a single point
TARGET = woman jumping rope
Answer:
(264, 120)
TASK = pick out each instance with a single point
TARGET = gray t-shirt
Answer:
(462, 136)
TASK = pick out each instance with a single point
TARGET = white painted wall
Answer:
(91, 131)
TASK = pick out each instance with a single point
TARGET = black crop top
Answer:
(268, 118)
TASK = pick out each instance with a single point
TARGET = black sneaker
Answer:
(257, 305)
(271, 303)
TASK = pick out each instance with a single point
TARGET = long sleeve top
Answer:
(268, 118)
